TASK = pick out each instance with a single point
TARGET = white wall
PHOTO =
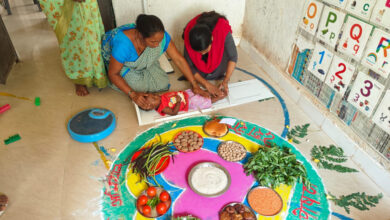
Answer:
(126, 11)
(270, 26)
(176, 13)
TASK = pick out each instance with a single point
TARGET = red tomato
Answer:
(151, 191)
(161, 208)
(142, 200)
(146, 210)
(164, 196)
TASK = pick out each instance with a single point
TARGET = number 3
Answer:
(356, 97)
(368, 88)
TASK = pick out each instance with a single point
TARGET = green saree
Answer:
(78, 27)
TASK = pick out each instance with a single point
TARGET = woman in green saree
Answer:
(79, 28)
(131, 54)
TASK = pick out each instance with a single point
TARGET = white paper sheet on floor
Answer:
(239, 93)
(165, 65)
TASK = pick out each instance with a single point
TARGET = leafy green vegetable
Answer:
(273, 166)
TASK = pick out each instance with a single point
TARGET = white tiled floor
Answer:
(47, 175)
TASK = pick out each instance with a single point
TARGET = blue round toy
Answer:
(91, 125)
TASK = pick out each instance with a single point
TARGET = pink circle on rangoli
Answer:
(203, 207)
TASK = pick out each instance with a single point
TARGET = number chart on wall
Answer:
(320, 61)
(342, 56)
(365, 93)
(340, 75)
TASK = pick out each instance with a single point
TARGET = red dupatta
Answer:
(222, 28)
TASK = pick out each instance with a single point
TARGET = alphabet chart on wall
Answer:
(339, 75)
(347, 66)
(365, 93)
(337, 3)
(381, 13)
(330, 25)
(320, 61)
(377, 54)
(361, 8)
(354, 38)
(309, 22)
(382, 114)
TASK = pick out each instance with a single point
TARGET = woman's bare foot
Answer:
(3, 203)
(81, 90)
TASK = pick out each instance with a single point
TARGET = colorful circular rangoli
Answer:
(123, 186)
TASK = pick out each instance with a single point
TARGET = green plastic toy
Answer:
(12, 139)
(37, 101)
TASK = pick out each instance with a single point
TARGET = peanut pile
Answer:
(188, 141)
(231, 151)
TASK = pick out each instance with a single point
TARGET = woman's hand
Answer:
(140, 99)
(200, 92)
(224, 87)
(213, 90)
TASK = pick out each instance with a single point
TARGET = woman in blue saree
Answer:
(131, 53)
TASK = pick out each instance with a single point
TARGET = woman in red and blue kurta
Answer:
(210, 51)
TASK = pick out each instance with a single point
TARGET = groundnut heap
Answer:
(231, 151)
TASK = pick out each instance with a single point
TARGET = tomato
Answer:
(146, 210)
(142, 200)
(161, 208)
(164, 196)
(151, 191)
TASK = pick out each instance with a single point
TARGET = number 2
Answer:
(368, 88)
(341, 71)
(332, 78)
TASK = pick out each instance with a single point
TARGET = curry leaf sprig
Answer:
(273, 166)
(326, 157)
(297, 132)
(358, 200)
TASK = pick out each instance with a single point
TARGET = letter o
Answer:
(308, 10)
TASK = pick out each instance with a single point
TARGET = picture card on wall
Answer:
(300, 58)
(320, 61)
(381, 13)
(330, 25)
(377, 53)
(365, 93)
(382, 114)
(339, 75)
(361, 8)
(311, 16)
(337, 3)
(354, 38)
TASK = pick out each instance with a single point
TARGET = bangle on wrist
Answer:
(129, 93)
